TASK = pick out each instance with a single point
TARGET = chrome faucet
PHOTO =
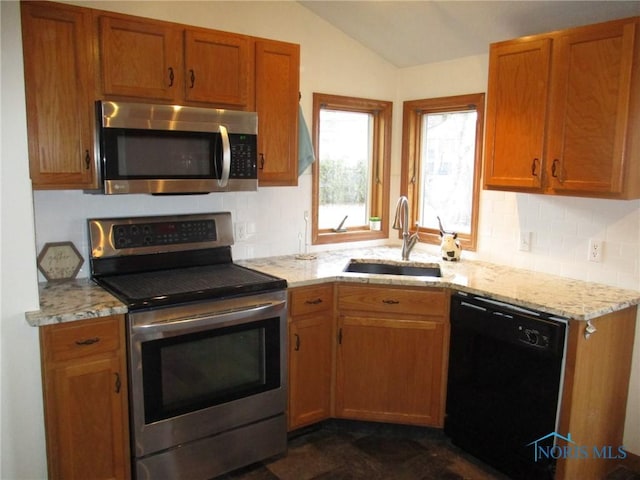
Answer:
(401, 222)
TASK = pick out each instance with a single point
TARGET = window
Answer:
(441, 165)
(352, 139)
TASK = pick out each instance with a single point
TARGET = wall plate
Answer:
(59, 261)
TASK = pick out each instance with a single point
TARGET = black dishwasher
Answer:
(505, 372)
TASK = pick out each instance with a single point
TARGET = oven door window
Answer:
(153, 154)
(190, 372)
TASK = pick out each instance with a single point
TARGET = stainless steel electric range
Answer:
(206, 344)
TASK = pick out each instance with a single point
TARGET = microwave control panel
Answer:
(244, 162)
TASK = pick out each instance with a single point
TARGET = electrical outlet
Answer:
(241, 231)
(525, 242)
(595, 250)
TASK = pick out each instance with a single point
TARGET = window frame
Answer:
(410, 181)
(381, 164)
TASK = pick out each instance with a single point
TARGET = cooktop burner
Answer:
(166, 260)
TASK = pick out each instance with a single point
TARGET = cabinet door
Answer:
(140, 59)
(86, 404)
(277, 90)
(516, 114)
(59, 82)
(218, 68)
(87, 398)
(310, 353)
(590, 108)
(390, 370)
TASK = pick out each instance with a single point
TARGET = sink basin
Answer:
(424, 270)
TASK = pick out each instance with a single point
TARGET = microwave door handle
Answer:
(226, 157)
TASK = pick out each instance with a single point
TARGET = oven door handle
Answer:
(219, 318)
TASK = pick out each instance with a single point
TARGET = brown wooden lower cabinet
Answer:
(85, 399)
(596, 387)
(391, 355)
(310, 354)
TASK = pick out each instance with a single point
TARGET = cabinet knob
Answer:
(87, 160)
(171, 76)
(88, 341)
(317, 301)
(297, 347)
(534, 167)
(192, 77)
(391, 302)
(261, 161)
(554, 167)
(118, 383)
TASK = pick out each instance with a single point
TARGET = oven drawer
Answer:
(82, 338)
(316, 298)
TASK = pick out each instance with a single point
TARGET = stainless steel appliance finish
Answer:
(504, 386)
(174, 149)
(206, 344)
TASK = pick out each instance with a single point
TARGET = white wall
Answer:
(330, 63)
(22, 428)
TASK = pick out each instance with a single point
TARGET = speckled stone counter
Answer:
(73, 300)
(549, 293)
(81, 299)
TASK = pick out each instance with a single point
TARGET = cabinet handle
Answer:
(88, 341)
(171, 77)
(534, 166)
(297, 347)
(340, 336)
(118, 383)
(261, 161)
(391, 302)
(87, 159)
(553, 168)
(317, 301)
(192, 76)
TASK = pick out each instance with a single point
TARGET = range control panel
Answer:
(128, 235)
(122, 236)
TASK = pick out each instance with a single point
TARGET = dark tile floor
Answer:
(343, 450)
(340, 450)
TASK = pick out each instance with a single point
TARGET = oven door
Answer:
(207, 368)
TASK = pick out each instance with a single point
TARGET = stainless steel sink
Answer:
(420, 270)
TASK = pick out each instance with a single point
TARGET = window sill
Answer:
(323, 238)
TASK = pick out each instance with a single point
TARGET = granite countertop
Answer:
(82, 299)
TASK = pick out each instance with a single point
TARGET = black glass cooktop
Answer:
(178, 285)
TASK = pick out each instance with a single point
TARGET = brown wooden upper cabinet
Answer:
(563, 112)
(277, 87)
(157, 60)
(59, 85)
(74, 56)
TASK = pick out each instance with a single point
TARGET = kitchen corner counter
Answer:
(553, 294)
(73, 300)
(82, 299)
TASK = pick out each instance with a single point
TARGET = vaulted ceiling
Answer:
(408, 33)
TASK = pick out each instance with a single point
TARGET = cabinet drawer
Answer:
(82, 338)
(432, 302)
(306, 300)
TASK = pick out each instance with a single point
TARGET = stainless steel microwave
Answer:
(173, 149)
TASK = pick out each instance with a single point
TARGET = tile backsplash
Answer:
(273, 222)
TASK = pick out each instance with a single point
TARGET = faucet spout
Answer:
(401, 222)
